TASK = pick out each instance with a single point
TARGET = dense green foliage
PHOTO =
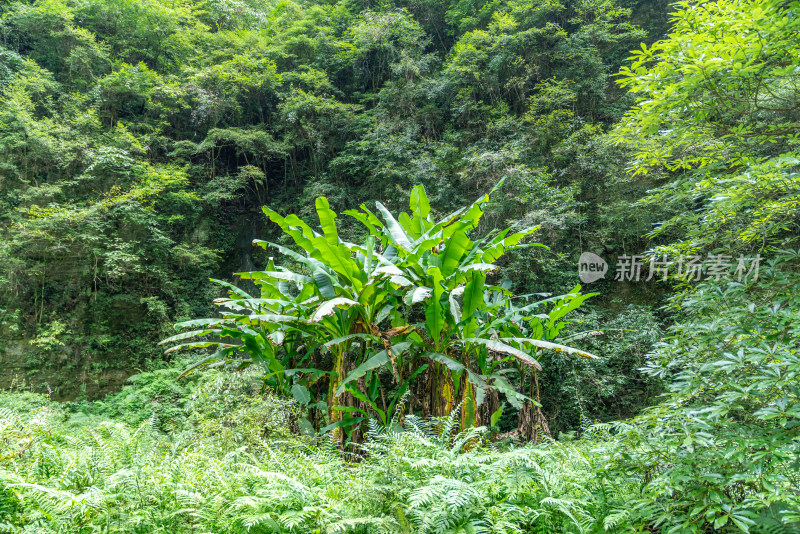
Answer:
(356, 303)
(717, 121)
(719, 110)
(140, 140)
(71, 472)
(725, 441)
(214, 455)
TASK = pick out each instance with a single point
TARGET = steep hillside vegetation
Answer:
(139, 141)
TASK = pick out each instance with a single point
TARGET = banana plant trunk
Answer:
(532, 425)
(334, 415)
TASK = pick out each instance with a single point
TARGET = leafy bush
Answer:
(577, 392)
(723, 448)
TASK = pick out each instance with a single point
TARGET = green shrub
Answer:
(722, 448)
(579, 392)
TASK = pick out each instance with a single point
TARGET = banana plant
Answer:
(351, 290)
(410, 303)
(440, 267)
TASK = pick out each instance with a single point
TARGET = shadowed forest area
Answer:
(432, 266)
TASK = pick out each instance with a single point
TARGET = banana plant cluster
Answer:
(354, 327)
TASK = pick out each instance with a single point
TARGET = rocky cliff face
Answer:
(64, 371)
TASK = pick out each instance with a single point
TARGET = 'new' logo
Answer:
(591, 267)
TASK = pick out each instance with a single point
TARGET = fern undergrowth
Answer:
(63, 472)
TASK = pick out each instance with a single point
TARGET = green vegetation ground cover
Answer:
(224, 459)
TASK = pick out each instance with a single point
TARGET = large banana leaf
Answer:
(434, 311)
